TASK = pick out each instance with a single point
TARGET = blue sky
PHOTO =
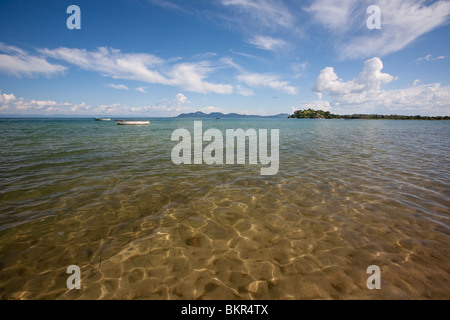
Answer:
(163, 58)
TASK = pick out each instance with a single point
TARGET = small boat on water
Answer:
(133, 122)
(102, 119)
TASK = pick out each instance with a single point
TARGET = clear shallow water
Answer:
(108, 198)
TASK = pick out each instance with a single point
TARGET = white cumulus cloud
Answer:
(11, 105)
(365, 93)
(370, 79)
(180, 99)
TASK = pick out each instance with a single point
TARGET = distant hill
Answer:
(221, 115)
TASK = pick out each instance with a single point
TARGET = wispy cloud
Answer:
(249, 14)
(264, 13)
(142, 67)
(111, 62)
(299, 68)
(265, 61)
(141, 89)
(254, 80)
(230, 63)
(246, 92)
(249, 17)
(117, 86)
(167, 4)
(18, 62)
(402, 23)
(267, 43)
(429, 57)
(267, 80)
(333, 15)
(243, 54)
(191, 76)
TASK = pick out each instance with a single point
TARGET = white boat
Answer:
(102, 119)
(133, 122)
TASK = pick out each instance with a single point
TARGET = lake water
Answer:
(107, 198)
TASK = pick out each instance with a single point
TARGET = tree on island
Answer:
(320, 114)
(313, 114)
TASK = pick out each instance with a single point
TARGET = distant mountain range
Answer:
(221, 115)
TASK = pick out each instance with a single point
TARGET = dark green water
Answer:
(348, 194)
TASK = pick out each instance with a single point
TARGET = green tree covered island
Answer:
(320, 114)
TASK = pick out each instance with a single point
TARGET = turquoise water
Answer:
(348, 194)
